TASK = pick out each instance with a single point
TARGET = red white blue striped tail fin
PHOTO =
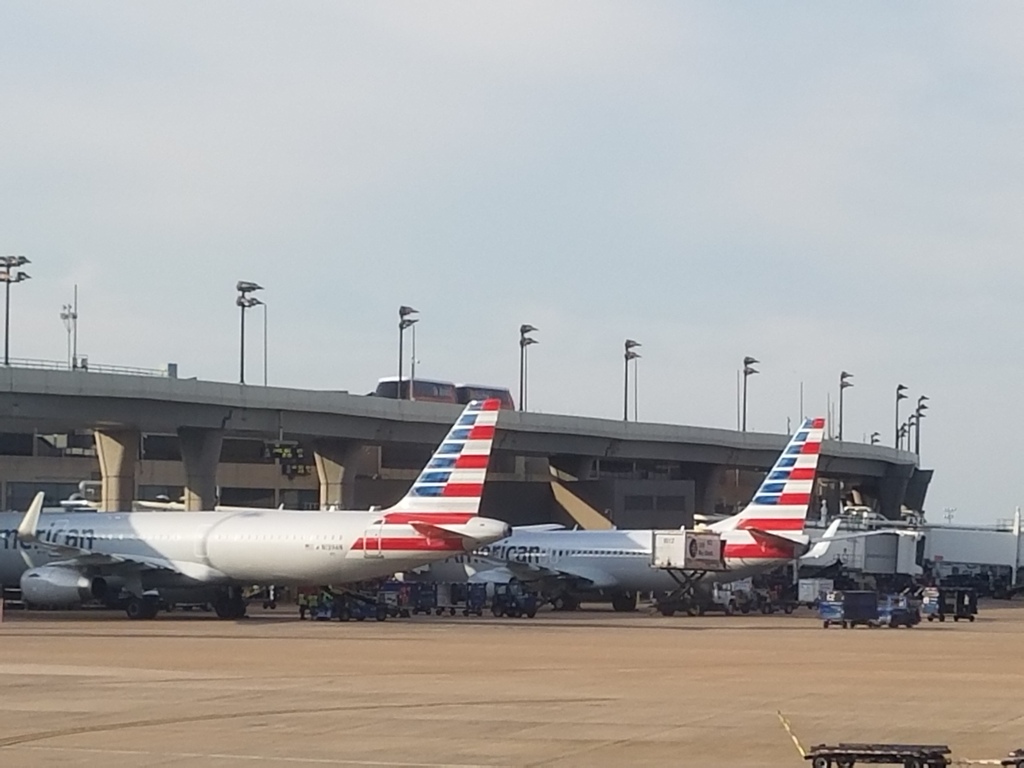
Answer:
(449, 488)
(780, 504)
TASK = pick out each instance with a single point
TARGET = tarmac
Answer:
(588, 688)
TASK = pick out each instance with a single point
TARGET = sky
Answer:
(824, 187)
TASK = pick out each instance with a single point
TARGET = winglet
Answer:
(30, 523)
(821, 545)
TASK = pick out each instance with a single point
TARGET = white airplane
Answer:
(768, 533)
(63, 559)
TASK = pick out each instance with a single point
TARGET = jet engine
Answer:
(56, 586)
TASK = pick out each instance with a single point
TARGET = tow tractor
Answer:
(687, 556)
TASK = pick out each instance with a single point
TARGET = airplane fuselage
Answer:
(242, 547)
(608, 560)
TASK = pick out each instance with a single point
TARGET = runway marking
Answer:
(25, 738)
(253, 758)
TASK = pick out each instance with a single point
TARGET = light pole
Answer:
(844, 383)
(900, 395)
(69, 314)
(244, 302)
(875, 437)
(524, 342)
(900, 434)
(7, 264)
(919, 412)
(748, 371)
(264, 343)
(404, 321)
(629, 355)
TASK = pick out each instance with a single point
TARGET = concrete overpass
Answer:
(120, 408)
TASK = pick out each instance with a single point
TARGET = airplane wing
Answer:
(530, 573)
(821, 546)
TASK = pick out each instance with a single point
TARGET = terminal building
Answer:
(209, 443)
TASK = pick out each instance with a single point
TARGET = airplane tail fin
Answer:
(780, 504)
(449, 488)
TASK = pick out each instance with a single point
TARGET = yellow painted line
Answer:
(789, 730)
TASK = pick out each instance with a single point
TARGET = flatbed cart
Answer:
(907, 755)
(1015, 758)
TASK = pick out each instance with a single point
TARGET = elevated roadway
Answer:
(120, 407)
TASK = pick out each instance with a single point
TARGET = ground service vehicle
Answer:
(513, 601)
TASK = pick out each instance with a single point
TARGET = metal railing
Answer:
(87, 367)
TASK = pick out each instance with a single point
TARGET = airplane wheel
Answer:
(821, 762)
(667, 610)
(140, 608)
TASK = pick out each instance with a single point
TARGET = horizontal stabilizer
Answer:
(775, 541)
(432, 531)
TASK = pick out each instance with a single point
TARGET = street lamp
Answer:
(524, 342)
(404, 321)
(844, 383)
(900, 395)
(69, 314)
(264, 343)
(629, 355)
(748, 371)
(244, 302)
(7, 264)
(919, 412)
(875, 437)
(900, 434)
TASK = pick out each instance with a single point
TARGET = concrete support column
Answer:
(118, 452)
(200, 453)
(708, 488)
(337, 463)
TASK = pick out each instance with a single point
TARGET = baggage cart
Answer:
(424, 597)
(476, 599)
(957, 602)
(907, 755)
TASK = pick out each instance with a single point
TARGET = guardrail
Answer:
(171, 371)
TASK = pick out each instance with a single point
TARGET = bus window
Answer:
(469, 392)
(427, 390)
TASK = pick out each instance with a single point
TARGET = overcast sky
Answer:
(822, 186)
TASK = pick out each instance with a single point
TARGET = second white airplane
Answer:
(77, 556)
(562, 564)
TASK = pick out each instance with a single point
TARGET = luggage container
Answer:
(809, 591)
(424, 597)
(476, 599)
(849, 608)
(960, 603)
(860, 607)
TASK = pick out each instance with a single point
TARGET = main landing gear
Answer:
(142, 608)
(230, 606)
